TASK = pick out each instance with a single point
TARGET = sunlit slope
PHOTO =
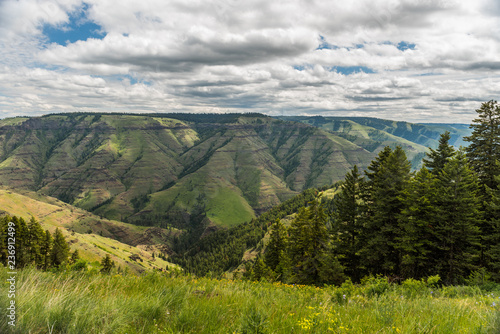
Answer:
(380, 130)
(154, 167)
(246, 167)
(93, 237)
(374, 134)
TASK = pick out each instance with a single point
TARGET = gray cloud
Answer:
(230, 56)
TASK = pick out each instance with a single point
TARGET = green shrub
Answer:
(253, 321)
(375, 286)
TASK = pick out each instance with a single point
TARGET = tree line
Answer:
(33, 245)
(443, 219)
(223, 249)
(30, 245)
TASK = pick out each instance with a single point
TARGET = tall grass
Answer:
(93, 303)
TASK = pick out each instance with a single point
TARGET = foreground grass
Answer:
(94, 303)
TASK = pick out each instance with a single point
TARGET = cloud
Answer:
(165, 51)
(341, 58)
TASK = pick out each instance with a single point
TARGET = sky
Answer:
(410, 60)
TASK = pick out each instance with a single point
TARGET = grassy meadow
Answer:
(88, 303)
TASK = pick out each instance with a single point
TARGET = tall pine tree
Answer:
(46, 250)
(388, 178)
(483, 151)
(60, 250)
(419, 219)
(311, 259)
(276, 249)
(36, 236)
(436, 159)
(492, 239)
(347, 226)
(22, 242)
(458, 228)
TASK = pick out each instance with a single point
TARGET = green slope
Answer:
(91, 235)
(374, 134)
(161, 169)
(158, 169)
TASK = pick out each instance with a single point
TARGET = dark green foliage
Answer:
(309, 248)
(389, 177)
(60, 249)
(276, 249)
(458, 229)
(492, 253)
(483, 153)
(138, 202)
(418, 241)
(260, 270)
(347, 226)
(484, 148)
(436, 159)
(223, 249)
(107, 264)
(46, 248)
(22, 242)
(36, 237)
(75, 256)
(33, 246)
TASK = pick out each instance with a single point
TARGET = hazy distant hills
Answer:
(374, 134)
(160, 169)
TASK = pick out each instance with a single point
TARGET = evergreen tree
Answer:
(22, 242)
(436, 159)
(483, 153)
(419, 219)
(388, 179)
(260, 270)
(484, 148)
(375, 166)
(492, 253)
(75, 256)
(458, 228)
(36, 236)
(347, 225)
(3, 239)
(107, 264)
(46, 250)
(276, 249)
(60, 249)
(309, 248)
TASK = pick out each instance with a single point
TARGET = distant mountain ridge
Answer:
(164, 169)
(374, 134)
(156, 170)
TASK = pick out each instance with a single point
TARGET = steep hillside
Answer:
(374, 134)
(160, 169)
(128, 245)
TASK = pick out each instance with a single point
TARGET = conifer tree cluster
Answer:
(443, 219)
(33, 245)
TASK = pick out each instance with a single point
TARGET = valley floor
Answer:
(154, 303)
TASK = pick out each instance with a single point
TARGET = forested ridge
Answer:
(390, 220)
(443, 219)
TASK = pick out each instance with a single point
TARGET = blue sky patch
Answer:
(325, 45)
(79, 28)
(347, 70)
(403, 46)
(303, 67)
